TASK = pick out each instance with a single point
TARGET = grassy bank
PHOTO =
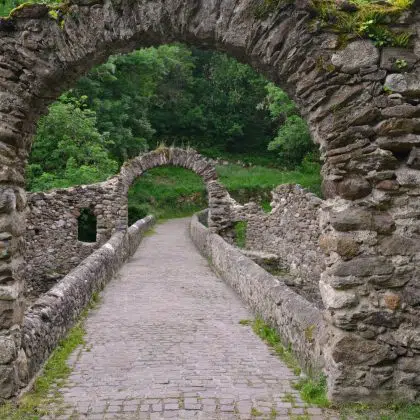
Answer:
(169, 192)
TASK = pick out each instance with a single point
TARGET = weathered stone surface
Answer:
(398, 126)
(354, 187)
(346, 247)
(340, 93)
(8, 381)
(407, 84)
(356, 55)
(8, 350)
(360, 351)
(399, 245)
(336, 299)
(290, 231)
(362, 266)
(401, 111)
(52, 218)
(408, 177)
(398, 59)
(351, 219)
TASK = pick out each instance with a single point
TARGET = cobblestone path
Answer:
(165, 342)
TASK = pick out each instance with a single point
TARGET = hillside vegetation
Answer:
(179, 96)
(170, 192)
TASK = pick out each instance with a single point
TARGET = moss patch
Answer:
(365, 19)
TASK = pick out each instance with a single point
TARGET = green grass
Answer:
(6, 6)
(314, 391)
(392, 411)
(371, 20)
(169, 192)
(235, 177)
(240, 234)
(272, 338)
(34, 404)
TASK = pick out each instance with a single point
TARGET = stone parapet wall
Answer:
(299, 322)
(291, 231)
(55, 312)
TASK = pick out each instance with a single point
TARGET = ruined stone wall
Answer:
(52, 245)
(291, 231)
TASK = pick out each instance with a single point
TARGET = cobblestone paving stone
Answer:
(165, 342)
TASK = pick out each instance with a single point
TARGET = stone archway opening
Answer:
(166, 192)
(362, 109)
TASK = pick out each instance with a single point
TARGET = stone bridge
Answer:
(369, 139)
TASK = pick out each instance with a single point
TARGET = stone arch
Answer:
(219, 200)
(164, 156)
(369, 141)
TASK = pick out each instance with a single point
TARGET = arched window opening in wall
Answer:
(86, 226)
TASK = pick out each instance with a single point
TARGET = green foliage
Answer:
(68, 148)
(293, 140)
(7, 6)
(240, 233)
(169, 192)
(392, 411)
(314, 391)
(272, 338)
(371, 19)
(235, 177)
(166, 192)
(170, 94)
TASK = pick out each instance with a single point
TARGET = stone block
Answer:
(336, 299)
(8, 381)
(351, 219)
(408, 84)
(399, 245)
(354, 187)
(8, 351)
(397, 59)
(362, 267)
(360, 351)
(356, 55)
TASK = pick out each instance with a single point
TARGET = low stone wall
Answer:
(299, 322)
(54, 313)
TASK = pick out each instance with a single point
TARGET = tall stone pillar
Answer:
(12, 227)
(371, 231)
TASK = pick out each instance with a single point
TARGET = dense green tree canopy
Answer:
(171, 94)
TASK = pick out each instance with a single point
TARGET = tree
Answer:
(293, 140)
(68, 148)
